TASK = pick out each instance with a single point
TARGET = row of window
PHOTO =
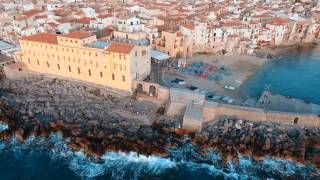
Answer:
(114, 65)
(78, 59)
(89, 53)
(79, 71)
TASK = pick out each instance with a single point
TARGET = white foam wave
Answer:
(118, 165)
(3, 126)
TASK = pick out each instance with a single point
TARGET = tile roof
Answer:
(84, 20)
(31, 13)
(280, 21)
(189, 26)
(120, 48)
(43, 38)
(105, 16)
(78, 35)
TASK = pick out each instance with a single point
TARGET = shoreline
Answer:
(243, 68)
(278, 53)
(113, 133)
(223, 137)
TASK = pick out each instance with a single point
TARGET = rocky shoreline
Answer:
(42, 107)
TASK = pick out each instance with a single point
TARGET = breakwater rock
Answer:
(229, 136)
(83, 117)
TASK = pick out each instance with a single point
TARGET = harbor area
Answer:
(276, 102)
(217, 76)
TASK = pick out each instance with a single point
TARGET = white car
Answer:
(230, 87)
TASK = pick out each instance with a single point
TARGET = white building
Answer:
(129, 24)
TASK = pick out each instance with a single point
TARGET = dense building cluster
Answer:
(110, 42)
(179, 28)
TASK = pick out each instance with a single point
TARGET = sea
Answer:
(296, 73)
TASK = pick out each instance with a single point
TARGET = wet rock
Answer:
(19, 134)
(293, 133)
(267, 144)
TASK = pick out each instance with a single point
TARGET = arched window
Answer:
(89, 72)
(79, 70)
(58, 66)
(123, 78)
(69, 68)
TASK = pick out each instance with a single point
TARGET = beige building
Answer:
(174, 43)
(80, 56)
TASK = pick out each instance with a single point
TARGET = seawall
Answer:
(212, 111)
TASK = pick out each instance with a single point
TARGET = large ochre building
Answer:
(81, 56)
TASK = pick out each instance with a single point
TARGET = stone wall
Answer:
(241, 112)
(176, 109)
(304, 120)
(256, 114)
(213, 111)
(161, 93)
(15, 71)
(164, 94)
(193, 119)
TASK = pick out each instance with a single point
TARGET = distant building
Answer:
(80, 56)
(175, 44)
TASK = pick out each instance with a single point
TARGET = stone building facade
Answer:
(80, 56)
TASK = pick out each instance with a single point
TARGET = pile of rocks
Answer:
(40, 98)
(231, 137)
(85, 119)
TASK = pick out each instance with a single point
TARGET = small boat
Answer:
(230, 87)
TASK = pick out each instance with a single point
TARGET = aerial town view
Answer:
(159, 89)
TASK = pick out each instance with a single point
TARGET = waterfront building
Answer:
(81, 56)
(174, 43)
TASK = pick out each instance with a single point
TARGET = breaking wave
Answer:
(40, 158)
(3, 126)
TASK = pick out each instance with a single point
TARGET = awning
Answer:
(159, 55)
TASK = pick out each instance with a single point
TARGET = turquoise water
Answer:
(296, 74)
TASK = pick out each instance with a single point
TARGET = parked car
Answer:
(178, 81)
(192, 88)
(174, 81)
(230, 87)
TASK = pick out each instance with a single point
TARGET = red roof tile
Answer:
(43, 38)
(189, 26)
(31, 13)
(280, 22)
(120, 47)
(105, 16)
(78, 35)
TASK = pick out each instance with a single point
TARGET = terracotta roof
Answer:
(189, 26)
(280, 22)
(84, 20)
(78, 35)
(120, 48)
(125, 17)
(232, 24)
(179, 34)
(105, 16)
(43, 38)
(31, 13)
